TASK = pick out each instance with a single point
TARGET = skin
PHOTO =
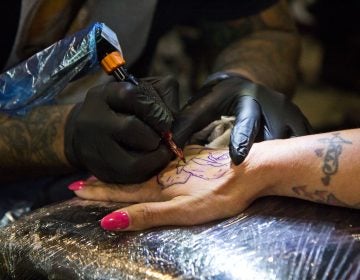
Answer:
(263, 48)
(208, 187)
(33, 145)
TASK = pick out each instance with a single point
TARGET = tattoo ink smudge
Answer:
(331, 158)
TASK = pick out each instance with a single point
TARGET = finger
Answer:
(134, 134)
(111, 163)
(127, 129)
(93, 189)
(146, 165)
(192, 119)
(153, 109)
(168, 90)
(148, 215)
(246, 128)
(129, 99)
(141, 100)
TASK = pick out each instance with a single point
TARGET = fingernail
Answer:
(76, 186)
(115, 220)
(92, 178)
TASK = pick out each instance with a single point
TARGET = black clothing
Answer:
(9, 22)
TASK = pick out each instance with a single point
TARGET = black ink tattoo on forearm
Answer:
(266, 48)
(331, 156)
(28, 144)
(322, 196)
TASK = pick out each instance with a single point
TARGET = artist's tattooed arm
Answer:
(264, 47)
(33, 145)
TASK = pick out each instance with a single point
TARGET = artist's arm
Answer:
(33, 145)
(264, 48)
(322, 168)
(112, 122)
(253, 80)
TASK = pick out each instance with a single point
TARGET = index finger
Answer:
(93, 189)
(179, 211)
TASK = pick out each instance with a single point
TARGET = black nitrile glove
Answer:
(261, 113)
(114, 133)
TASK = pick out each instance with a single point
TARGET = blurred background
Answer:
(328, 91)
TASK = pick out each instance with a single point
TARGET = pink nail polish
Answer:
(115, 220)
(76, 186)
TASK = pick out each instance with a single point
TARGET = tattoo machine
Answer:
(40, 78)
(113, 63)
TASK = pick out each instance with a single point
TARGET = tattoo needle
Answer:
(113, 64)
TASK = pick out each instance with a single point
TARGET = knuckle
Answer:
(124, 91)
(129, 123)
(109, 195)
(147, 214)
(118, 93)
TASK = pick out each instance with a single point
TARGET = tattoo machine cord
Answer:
(113, 63)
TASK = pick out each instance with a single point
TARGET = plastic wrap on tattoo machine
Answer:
(275, 238)
(41, 77)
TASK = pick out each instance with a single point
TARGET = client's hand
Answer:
(206, 188)
(320, 168)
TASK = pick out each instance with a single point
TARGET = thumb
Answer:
(246, 128)
(168, 90)
(191, 119)
(147, 215)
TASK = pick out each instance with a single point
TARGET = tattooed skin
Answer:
(265, 45)
(331, 157)
(33, 144)
(206, 164)
(322, 196)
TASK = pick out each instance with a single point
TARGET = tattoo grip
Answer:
(113, 64)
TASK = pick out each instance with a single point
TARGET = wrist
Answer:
(262, 168)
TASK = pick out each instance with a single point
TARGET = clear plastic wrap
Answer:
(275, 238)
(41, 77)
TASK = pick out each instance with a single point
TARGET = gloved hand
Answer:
(114, 133)
(261, 113)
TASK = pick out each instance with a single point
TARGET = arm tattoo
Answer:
(266, 46)
(207, 165)
(332, 154)
(322, 196)
(32, 145)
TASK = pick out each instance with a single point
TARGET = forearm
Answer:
(322, 168)
(268, 52)
(34, 144)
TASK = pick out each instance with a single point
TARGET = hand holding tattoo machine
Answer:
(40, 78)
